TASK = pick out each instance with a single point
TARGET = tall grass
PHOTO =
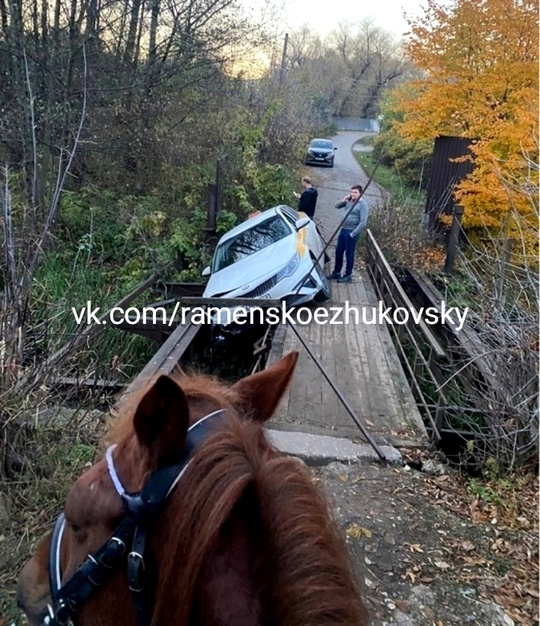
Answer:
(64, 287)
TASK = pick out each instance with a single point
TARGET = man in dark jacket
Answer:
(308, 199)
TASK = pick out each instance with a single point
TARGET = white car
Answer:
(270, 256)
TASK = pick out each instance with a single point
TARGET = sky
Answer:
(324, 15)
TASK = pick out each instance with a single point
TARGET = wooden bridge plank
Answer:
(362, 361)
(165, 360)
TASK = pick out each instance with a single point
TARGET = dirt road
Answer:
(334, 183)
(420, 559)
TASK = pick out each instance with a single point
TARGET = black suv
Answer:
(321, 151)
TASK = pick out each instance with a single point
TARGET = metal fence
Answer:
(356, 124)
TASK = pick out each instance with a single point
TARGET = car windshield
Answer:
(321, 143)
(250, 241)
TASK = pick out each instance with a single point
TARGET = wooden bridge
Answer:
(369, 385)
(362, 362)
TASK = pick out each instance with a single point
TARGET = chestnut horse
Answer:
(194, 518)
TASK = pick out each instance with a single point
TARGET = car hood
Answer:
(321, 150)
(253, 270)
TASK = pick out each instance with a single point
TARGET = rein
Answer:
(141, 509)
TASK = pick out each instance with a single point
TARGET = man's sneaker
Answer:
(345, 279)
(334, 276)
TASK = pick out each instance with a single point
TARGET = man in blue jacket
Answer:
(357, 211)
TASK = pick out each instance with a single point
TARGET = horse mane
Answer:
(306, 577)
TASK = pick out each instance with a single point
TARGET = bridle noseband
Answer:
(141, 508)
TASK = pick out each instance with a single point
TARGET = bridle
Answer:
(141, 509)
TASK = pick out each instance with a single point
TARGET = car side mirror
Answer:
(304, 221)
(206, 271)
(335, 148)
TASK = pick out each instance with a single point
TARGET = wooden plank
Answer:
(333, 350)
(313, 376)
(166, 358)
(377, 346)
(98, 383)
(354, 357)
(278, 342)
(346, 366)
(158, 331)
(361, 348)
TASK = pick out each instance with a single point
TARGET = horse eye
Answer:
(75, 528)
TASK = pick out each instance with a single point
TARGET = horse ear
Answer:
(263, 391)
(161, 419)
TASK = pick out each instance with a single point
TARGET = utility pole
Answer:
(283, 59)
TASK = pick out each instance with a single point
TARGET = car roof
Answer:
(253, 221)
(321, 139)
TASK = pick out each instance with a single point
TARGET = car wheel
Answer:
(326, 291)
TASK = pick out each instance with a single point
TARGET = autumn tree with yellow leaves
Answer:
(479, 63)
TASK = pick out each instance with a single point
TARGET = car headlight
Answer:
(290, 268)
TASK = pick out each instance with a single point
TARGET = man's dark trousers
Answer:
(346, 245)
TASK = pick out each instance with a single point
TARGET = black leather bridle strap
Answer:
(93, 573)
(137, 579)
(141, 509)
(144, 505)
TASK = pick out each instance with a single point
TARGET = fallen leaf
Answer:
(442, 565)
(342, 477)
(403, 606)
(474, 561)
(356, 531)
(467, 546)
(411, 576)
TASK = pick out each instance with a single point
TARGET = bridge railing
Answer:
(425, 360)
(456, 377)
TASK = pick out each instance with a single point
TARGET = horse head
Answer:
(193, 517)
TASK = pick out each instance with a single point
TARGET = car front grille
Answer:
(262, 288)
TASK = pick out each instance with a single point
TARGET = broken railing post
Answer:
(211, 209)
(453, 239)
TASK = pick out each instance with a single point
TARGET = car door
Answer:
(314, 241)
